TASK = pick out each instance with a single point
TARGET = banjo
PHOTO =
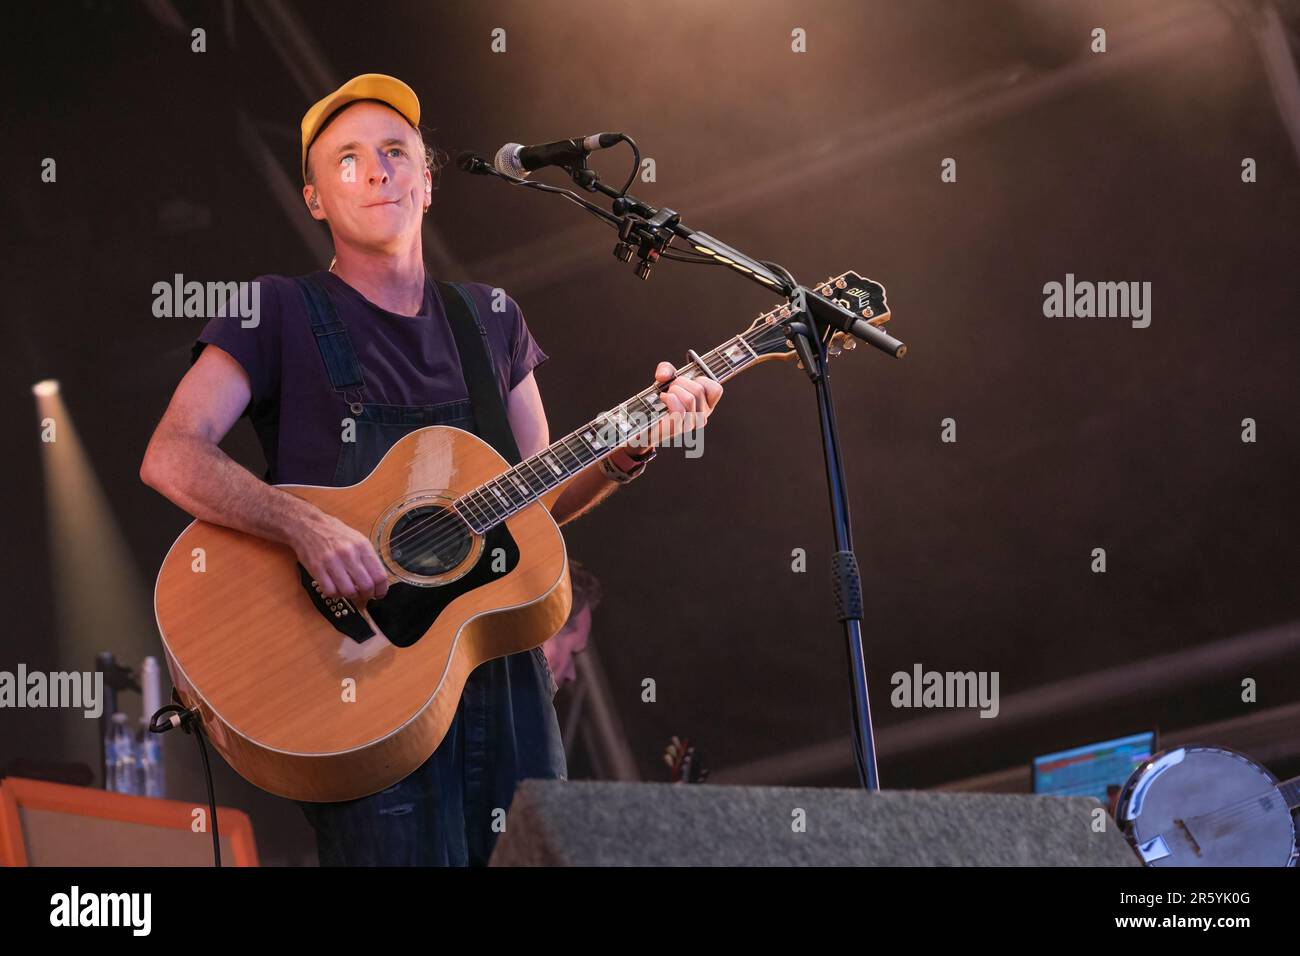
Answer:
(1208, 806)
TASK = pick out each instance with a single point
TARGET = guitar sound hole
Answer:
(429, 541)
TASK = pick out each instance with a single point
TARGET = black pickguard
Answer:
(407, 612)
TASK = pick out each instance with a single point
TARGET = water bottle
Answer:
(119, 757)
(152, 782)
(149, 748)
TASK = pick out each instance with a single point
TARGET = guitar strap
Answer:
(474, 349)
(485, 393)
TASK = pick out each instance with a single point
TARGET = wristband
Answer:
(614, 473)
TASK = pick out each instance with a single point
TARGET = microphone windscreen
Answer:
(507, 161)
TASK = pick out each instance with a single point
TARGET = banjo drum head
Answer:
(1206, 806)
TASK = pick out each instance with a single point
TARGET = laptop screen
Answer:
(1090, 770)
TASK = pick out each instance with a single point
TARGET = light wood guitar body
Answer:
(309, 713)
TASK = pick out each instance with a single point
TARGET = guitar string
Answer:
(451, 525)
(691, 369)
(531, 465)
(756, 330)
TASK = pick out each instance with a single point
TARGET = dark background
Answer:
(1072, 433)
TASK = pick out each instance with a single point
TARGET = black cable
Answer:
(606, 217)
(777, 267)
(615, 223)
(636, 162)
(188, 721)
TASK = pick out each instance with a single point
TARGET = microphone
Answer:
(518, 161)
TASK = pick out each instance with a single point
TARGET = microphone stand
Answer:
(648, 233)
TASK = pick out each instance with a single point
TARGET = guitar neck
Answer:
(1290, 790)
(498, 499)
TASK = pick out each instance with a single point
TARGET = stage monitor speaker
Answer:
(587, 823)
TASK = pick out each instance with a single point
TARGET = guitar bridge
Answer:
(340, 613)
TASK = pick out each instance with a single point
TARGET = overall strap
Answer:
(485, 395)
(332, 339)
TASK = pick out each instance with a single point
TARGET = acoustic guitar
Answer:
(317, 699)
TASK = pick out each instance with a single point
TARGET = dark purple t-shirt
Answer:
(405, 360)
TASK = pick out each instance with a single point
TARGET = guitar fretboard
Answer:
(1290, 790)
(493, 502)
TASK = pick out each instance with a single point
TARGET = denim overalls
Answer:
(448, 812)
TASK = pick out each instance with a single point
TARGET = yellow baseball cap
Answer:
(368, 86)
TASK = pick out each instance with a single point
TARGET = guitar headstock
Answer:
(766, 336)
(684, 765)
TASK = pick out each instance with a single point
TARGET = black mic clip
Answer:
(471, 162)
(646, 238)
(583, 175)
